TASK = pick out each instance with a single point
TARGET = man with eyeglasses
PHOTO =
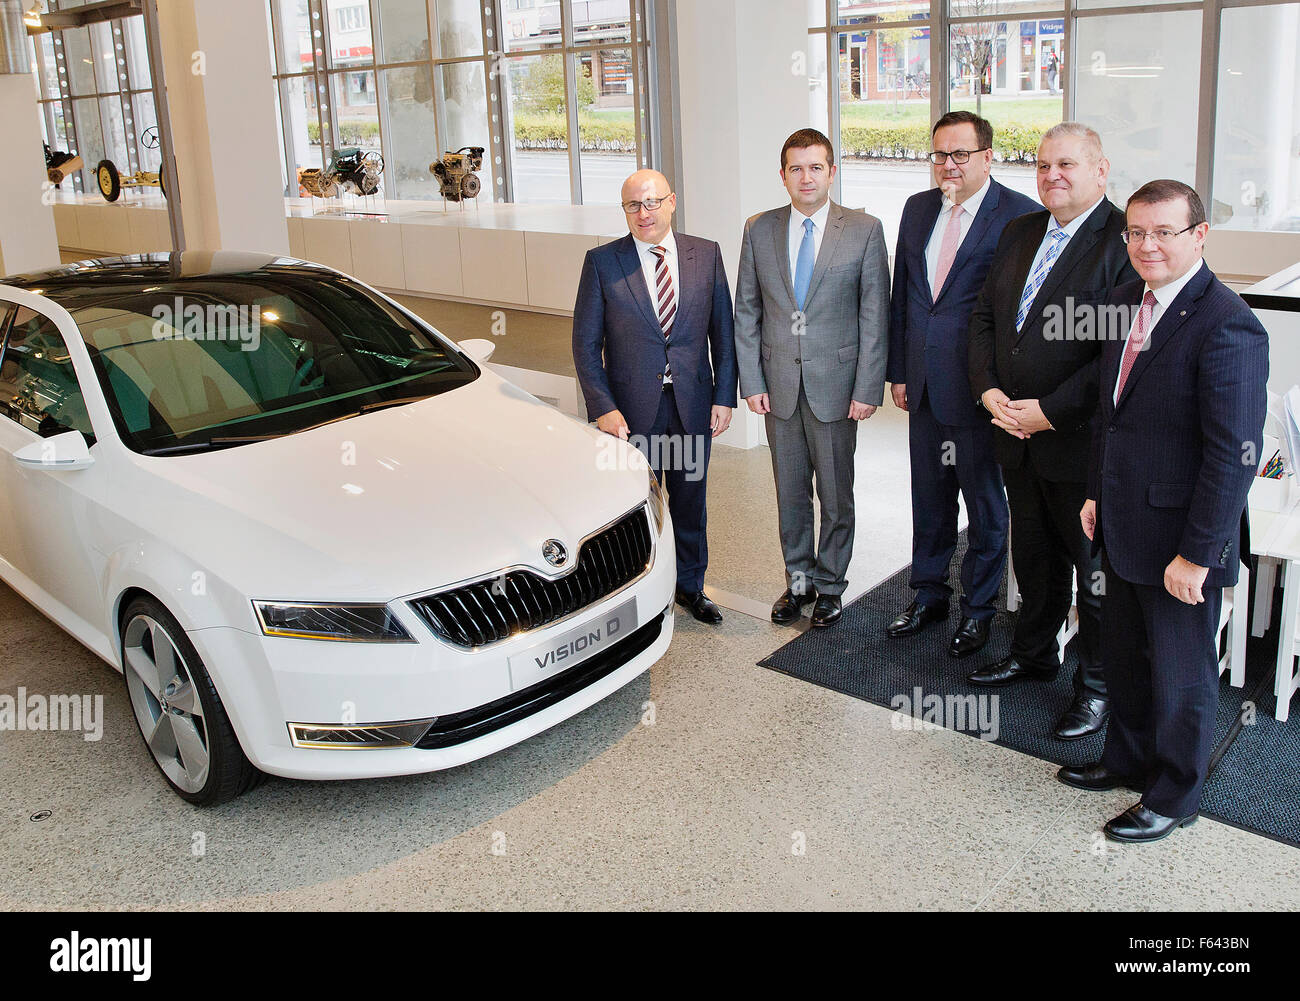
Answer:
(653, 346)
(946, 241)
(1035, 373)
(1177, 442)
(812, 337)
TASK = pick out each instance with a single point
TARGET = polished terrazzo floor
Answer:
(708, 783)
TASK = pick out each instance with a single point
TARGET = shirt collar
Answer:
(818, 217)
(669, 243)
(1168, 293)
(1076, 224)
(971, 205)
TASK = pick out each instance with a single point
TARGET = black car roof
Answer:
(73, 284)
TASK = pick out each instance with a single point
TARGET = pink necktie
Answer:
(1136, 341)
(948, 249)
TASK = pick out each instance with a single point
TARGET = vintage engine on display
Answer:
(456, 173)
(350, 171)
(60, 166)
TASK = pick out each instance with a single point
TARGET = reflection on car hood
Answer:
(394, 502)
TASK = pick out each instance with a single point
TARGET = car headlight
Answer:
(657, 502)
(341, 623)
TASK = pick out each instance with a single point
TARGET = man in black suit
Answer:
(652, 343)
(1183, 398)
(946, 242)
(1035, 372)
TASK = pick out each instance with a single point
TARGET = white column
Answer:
(217, 65)
(27, 240)
(741, 95)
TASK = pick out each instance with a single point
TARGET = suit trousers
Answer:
(946, 460)
(803, 449)
(681, 461)
(1049, 548)
(1162, 669)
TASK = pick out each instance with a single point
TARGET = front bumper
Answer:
(268, 682)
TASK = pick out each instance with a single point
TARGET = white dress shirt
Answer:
(649, 263)
(970, 208)
(1164, 296)
(1070, 228)
(796, 234)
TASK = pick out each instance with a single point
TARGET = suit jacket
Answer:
(1172, 463)
(841, 343)
(1051, 359)
(928, 337)
(620, 350)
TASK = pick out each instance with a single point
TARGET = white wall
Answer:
(740, 100)
(27, 238)
(223, 119)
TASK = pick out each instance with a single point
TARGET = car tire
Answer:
(109, 180)
(195, 748)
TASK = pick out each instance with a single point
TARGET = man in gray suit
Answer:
(812, 339)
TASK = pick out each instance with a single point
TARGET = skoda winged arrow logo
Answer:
(554, 553)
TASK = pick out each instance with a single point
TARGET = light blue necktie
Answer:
(803, 268)
(1040, 274)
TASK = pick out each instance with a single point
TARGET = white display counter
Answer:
(524, 256)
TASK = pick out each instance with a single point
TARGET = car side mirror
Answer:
(62, 452)
(478, 348)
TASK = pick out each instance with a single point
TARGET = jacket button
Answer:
(798, 361)
(660, 377)
(1015, 351)
(1111, 429)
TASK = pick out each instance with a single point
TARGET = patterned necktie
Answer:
(1137, 341)
(948, 249)
(1040, 274)
(665, 297)
(803, 269)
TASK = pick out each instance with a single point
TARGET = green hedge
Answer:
(352, 132)
(548, 130)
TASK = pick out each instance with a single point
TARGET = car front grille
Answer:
(496, 608)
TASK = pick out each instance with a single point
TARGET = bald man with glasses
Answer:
(652, 343)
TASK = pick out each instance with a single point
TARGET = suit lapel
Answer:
(1182, 309)
(834, 228)
(687, 280)
(1111, 356)
(978, 227)
(635, 279)
(781, 224)
(924, 227)
(1082, 241)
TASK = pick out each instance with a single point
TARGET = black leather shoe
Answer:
(969, 637)
(1008, 671)
(916, 618)
(1086, 717)
(827, 611)
(1138, 825)
(1096, 778)
(700, 606)
(789, 606)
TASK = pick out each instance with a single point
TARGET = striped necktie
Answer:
(1040, 274)
(665, 298)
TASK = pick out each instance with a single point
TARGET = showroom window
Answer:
(1133, 73)
(556, 91)
(96, 96)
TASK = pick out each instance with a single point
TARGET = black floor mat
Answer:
(1255, 778)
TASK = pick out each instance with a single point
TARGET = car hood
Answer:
(394, 502)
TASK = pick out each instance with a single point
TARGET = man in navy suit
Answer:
(653, 310)
(945, 245)
(1175, 450)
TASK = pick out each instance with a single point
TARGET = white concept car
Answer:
(316, 537)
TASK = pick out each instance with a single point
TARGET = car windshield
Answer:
(217, 361)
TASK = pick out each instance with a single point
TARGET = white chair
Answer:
(1287, 680)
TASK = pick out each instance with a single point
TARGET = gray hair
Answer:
(1077, 130)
